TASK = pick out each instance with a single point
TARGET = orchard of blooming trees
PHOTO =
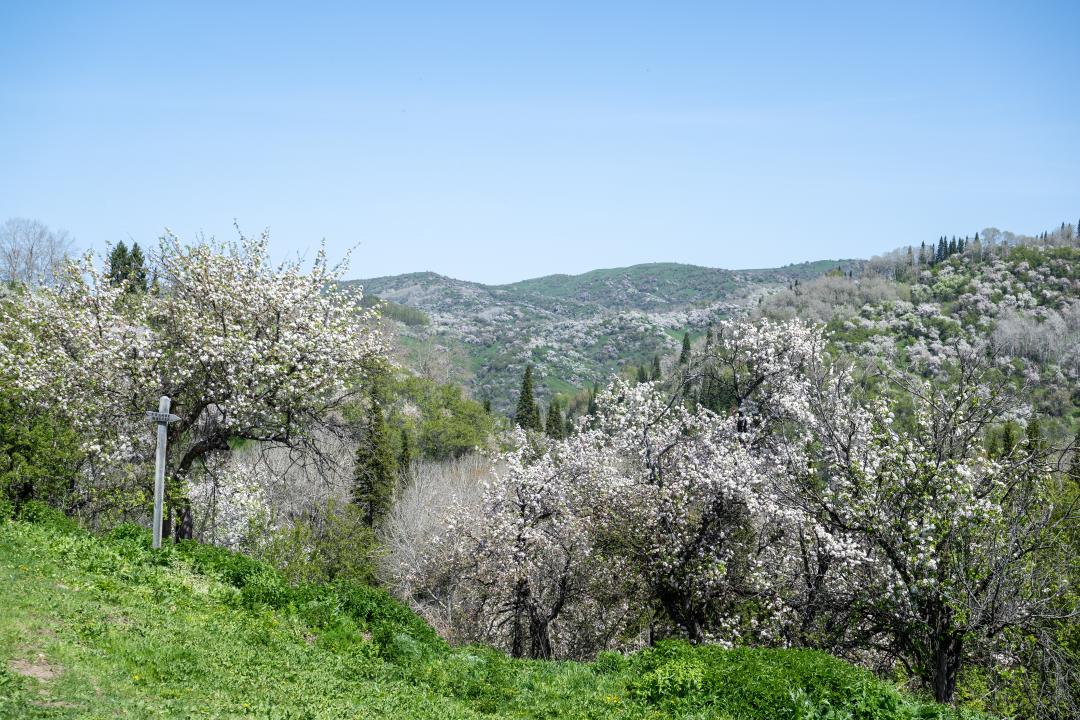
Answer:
(822, 506)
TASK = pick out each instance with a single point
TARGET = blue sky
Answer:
(496, 142)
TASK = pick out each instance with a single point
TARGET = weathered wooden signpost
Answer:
(162, 418)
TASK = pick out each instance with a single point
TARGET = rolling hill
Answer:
(575, 329)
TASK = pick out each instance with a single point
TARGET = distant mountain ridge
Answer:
(575, 329)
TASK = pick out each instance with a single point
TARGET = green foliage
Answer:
(38, 454)
(192, 630)
(684, 354)
(413, 317)
(38, 512)
(447, 424)
(745, 682)
(426, 419)
(335, 544)
(642, 374)
(128, 268)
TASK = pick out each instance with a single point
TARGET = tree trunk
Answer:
(680, 608)
(185, 525)
(517, 629)
(947, 656)
(539, 638)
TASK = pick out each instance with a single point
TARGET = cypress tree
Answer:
(1033, 440)
(1008, 439)
(940, 254)
(527, 414)
(405, 457)
(952, 246)
(375, 473)
(642, 374)
(555, 427)
(657, 373)
(684, 356)
(568, 423)
(537, 421)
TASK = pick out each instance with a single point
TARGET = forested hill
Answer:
(576, 329)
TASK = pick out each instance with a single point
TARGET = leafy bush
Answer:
(37, 512)
(333, 544)
(761, 682)
(38, 454)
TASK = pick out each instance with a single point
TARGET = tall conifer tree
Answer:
(684, 356)
(375, 474)
(405, 457)
(527, 414)
(555, 427)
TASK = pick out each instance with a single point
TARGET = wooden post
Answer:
(162, 418)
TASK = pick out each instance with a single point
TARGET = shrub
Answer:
(334, 543)
(39, 513)
(38, 455)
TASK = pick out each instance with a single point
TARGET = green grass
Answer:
(103, 627)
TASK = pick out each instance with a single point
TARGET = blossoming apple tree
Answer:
(937, 554)
(247, 351)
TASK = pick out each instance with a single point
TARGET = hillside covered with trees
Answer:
(831, 490)
(574, 329)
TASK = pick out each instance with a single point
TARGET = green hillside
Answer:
(575, 329)
(104, 628)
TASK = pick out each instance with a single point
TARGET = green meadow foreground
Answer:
(103, 627)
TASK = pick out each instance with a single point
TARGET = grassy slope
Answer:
(101, 628)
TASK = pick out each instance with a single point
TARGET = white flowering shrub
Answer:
(228, 503)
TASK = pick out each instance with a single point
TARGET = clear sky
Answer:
(496, 142)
